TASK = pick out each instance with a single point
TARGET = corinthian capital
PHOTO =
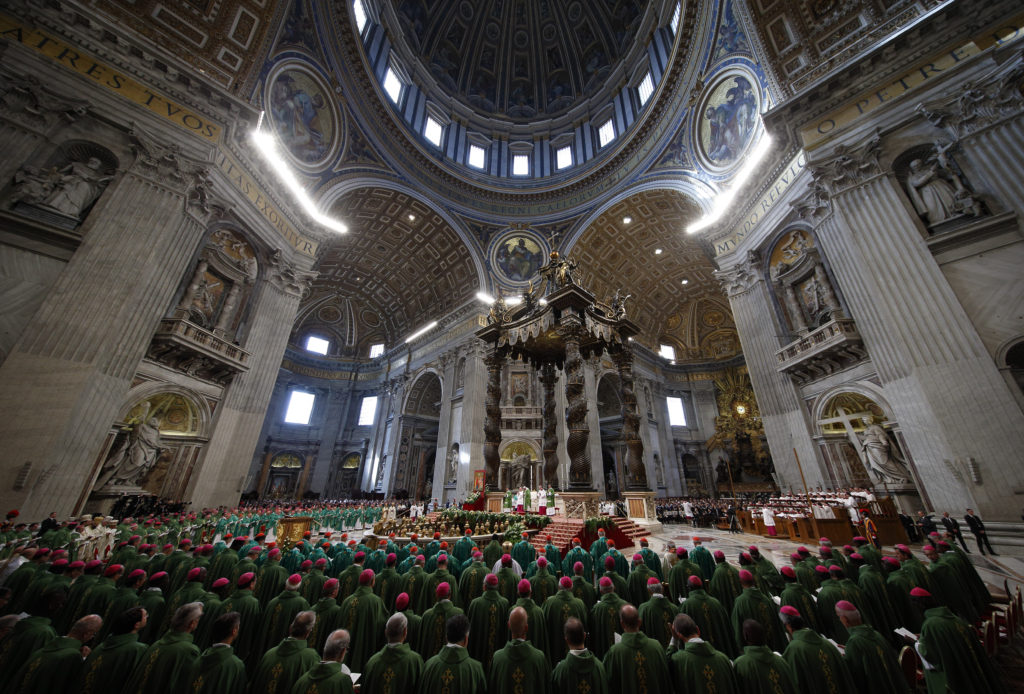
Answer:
(286, 277)
(166, 165)
(739, 278)
(848, 167)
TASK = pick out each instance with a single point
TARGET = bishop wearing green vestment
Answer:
(604, 618)
(396, 668)
(471, 581)
(543, 583)
(363, 615)
(452, 670)
(328, 676)
(871, 660)
(816, 663)
(957, 662)
(518, 667)
(636, 664)
(698, 668)
(558, 608)
(711, 618)
(167, 666)
(656, 614)
(759, 670)
(580, 672)
(220, 671)
(725, 583)
(432, 626)
(56, 668)
(278, 615)
(753, 604)
(282, 666)
(328, 615)
(487, 622)
(111, 662)
(537, 628)
(247, 605)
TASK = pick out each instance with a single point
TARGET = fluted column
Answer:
(782, 412)
(240, 416)
(945, 391)
(65, 380)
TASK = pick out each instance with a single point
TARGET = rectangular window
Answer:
(668, 352)
(606, 133)
(476, 157)
(674, 24)
(300, 407)
(368, 411)
(646, 88)
(520, 165)
(376, 351)
(432, 131)
(317, 345)
(676, 416)
(392, 85)
(360, 12)
(563, 157)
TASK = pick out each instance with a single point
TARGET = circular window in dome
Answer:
(303, 115)
(517, 256)
(728, 120)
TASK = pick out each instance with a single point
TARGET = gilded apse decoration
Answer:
(729, 120)
(300, 108)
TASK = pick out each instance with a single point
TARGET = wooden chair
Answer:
(910, 664)
(991, 638)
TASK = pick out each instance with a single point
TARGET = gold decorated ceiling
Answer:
(694, 318)
(388, 275)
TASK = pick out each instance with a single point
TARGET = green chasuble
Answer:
(759, 671)
(247, 605)
(637, 665)
(832, 592)
(152, 600)
(386, 587)
(817, 665)
(951, 647)
(412, 584)
(537, 630)
(492, 553)
(678, 577)
(507, 583)
(413, 637)
(488, 626)
(364, 616)
(872, 662)
(277, 617)
(700, 556)
(753, 604)
(585, 591)
(712, 620)
(955, 593)
(110, 663)
(452, 671)
(796, 596)
(394, 669)
(433, 635)
(700, 669)
(636, 586)
(578, 554)
(881, 613)
(270, 581)
(348, 581)
(471, 582)
(618, 584)
(604, 623)
(53, 669)
(328, 616)
(324, 678)
(557, 610)
(29, 635)
(767, 573)
(725, 585)
(579, 673)
(518, 668)
(282, 666)
(220, 671)
(166, 667)
(524, 553)
(656, 617)
(543, 585)
(429, 595)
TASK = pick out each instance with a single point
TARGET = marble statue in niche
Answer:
(880, 455)
(77, 187)
(135, 456)
(937, 190)
(452, 468)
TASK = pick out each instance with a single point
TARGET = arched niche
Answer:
(417, 453)
(801, 282)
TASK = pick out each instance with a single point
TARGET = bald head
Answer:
(753, 633)
(85, 628)
(684, 627)
(337, 645)
(629, 618)
(302, 624)
(518, 623)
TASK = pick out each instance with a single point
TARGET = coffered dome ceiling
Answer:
(520, 60)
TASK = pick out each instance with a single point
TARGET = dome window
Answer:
(360, 14)
(476, 158)
(606, 133)
(392, 85)
(521, 165)
(646, 88)
(563, 158)
(433, 131)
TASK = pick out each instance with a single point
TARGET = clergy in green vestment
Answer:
(725, 582)
(363, 615)
(412, 584)
(553, 556)
(558, 608)
(679, 575)
(954, 592)
(464, 547)
(537, 628)
(700, 556)
(328, 615)
(452, 670)
(543, 583)
(766, 571)
(282, 666)
(759, 670)
(167, 666)
(56, 668)
(524, 552)
(433, 624)
(30, 633)
(795, 595)
(270, 578)
(396, 668)
(82, 586)
(313, 582)
(753, 604)
(657, 613)
(956, 660)
(508, 579)
(413, 619)
(441, 575)
(220, 670)
(651, 558)
(212, 608)
(192, 591)
(697, 668)
(604, 618)
(582, 588)
(487, 615)
(492, 552)
(278, 615)
(103, 592)
(580, 672)
(577, 554)
(619, 581)
(711, 618)
(348, 580)
(152, 599)
(113, 660)
(869, 657)
(329, 676)
(388, 583)
(636, 664)
(598, 547)
(247, 605)
(817, 665)
(471, 580)
(518, 667)
(636, 585)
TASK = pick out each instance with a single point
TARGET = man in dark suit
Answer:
(978, 528)
(953, 528)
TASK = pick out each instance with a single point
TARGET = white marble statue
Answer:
(79, 185)
(879, 454)
(133, 459)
